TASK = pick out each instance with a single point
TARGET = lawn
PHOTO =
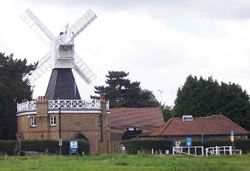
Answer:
(142, 162)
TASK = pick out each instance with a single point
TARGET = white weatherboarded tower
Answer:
(61, 57)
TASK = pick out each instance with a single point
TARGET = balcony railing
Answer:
(71, 105)
(28, 106)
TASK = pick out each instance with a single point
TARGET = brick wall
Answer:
(94, 126)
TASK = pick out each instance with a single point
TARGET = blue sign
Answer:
(189, 141)
(232, 133)
(73, 147)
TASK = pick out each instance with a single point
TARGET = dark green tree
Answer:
(121, 92)
(167, 112)
(204, 97)
(12, 90)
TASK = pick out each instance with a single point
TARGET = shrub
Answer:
(146, 145)
(7, 146)
(41, 146)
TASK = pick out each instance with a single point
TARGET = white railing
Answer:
(221, 150)
(28, 106)
(191, 151)
(73, 105)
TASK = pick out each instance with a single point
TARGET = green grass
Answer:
(141, 162)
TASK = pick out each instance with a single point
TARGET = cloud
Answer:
(222, 9)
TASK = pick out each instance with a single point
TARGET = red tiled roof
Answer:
(136, 117)
(213, 125)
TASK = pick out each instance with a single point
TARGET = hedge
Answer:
(9, 146)
(244, 145)
(146, 145)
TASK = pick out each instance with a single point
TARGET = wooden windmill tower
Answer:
(61, 57)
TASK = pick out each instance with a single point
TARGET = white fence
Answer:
(192, 151)
(222, 150)
(30, 106)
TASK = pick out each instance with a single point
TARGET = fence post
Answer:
(230, 150)
(173, 150)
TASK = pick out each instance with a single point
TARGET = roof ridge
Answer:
(166, 124)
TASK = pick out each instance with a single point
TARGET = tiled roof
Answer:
(213, 125)
(150, 117)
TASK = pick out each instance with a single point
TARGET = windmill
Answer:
(61, 57)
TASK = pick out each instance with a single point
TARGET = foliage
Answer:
(9, 146)
(201, 97)
(121, 92)
(146, 145)
(12, 90)
(167, 112)
(142, 162)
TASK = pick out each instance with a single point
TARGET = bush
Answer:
(7, 146)
(41, 146)
(243, 144)
(146, 145)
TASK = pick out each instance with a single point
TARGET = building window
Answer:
(32, 122)
(52, 121)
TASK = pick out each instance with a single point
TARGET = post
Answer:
(232, 140)
(60, 131)
(230, 150)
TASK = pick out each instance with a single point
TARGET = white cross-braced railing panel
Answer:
(74, 104)
(28, 106)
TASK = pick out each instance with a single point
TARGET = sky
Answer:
(158, 42)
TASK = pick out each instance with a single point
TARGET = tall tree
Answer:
(12, 90)
(201, 97)
(121, 92)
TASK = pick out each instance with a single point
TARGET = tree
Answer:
(201, 97)
(121, 92)
(12, 90)
(167, 112)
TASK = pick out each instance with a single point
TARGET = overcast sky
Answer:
(158, 42)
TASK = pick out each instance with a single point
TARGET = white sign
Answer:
(73, 144)
(60, 142)
(232, 136)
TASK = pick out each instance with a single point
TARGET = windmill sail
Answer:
(35, 24)
(83, 70)
(82, 23)
(43, 65)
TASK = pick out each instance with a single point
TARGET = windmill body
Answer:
(61, 57)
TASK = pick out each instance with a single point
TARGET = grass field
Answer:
(142, 162)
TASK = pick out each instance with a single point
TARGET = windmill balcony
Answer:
(66, 105)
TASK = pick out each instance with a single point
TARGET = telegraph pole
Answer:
(60, 132)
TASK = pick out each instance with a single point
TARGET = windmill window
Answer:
(33, 122)
(52, 121)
